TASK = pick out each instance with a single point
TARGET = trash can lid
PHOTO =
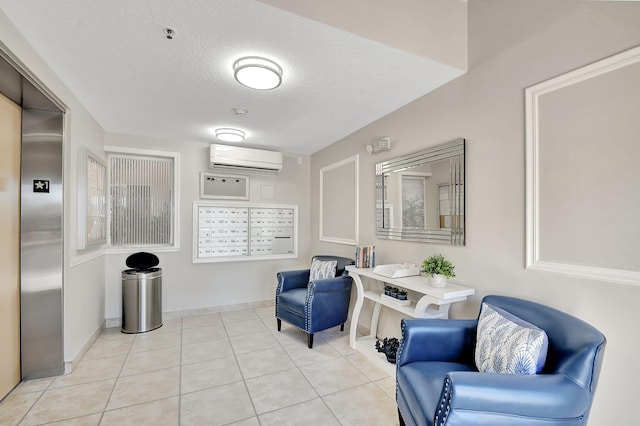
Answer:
(142, 261)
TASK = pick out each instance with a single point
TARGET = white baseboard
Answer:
(113, 322)
(70, 365)
(117, 322)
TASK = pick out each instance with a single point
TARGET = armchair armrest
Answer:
(330, 299)
(546, 395)
(292, 279)
(437, 340)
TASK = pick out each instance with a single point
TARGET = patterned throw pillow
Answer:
(508, 344)
(321, 269)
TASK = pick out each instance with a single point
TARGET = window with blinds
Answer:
(96, 209)
(141, 191)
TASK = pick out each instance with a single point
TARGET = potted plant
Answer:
(402, 294)
(438, 270)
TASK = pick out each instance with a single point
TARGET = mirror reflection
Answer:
(420, 196)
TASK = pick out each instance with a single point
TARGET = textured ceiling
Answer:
(114, 57)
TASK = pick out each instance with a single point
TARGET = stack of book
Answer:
(365, 257)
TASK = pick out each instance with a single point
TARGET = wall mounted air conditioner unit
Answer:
(244, 159)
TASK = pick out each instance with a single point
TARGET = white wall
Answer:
(188, 286)
(83, 290)
(535, 41)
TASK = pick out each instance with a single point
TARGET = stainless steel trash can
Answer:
(141, 297)
(141, 300)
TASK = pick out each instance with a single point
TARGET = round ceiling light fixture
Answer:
(257, 73)
(228, 134)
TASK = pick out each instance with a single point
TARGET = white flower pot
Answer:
(437, 280)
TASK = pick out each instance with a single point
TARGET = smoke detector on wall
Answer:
(382, 144)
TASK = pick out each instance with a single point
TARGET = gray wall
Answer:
(188, 286)
(513, 44)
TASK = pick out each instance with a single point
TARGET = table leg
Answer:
(357, 308)
(375, 316)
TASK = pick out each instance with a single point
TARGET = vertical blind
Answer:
(141, 193)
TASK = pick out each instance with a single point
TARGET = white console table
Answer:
(434, 303)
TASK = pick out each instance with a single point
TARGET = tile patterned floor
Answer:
(231, 368)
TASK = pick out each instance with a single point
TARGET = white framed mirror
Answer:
(583, 197)
(339, 206)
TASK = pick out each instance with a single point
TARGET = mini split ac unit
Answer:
(244, 159)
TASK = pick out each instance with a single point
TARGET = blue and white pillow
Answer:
(508, 344)
(322, 269)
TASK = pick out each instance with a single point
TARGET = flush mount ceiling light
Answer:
(257, 73)
(228, 134)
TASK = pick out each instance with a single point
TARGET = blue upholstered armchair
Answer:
(312, 302)
(438, 382)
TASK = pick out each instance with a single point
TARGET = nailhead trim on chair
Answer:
(308, 303)
(445, 404)
(397, 363)
(278, 291)
(399, 352)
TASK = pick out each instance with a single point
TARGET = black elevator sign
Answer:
(40, 185)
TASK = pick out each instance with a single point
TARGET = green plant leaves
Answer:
(437, 264)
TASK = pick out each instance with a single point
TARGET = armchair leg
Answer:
(310, 340)
(279, 323)
(342, 327)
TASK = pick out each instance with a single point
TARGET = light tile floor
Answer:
(231, 368)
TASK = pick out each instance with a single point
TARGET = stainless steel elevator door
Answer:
(41, 244)
(10, 129)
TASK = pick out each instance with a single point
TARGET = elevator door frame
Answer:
(42, 233)
(10, 143)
